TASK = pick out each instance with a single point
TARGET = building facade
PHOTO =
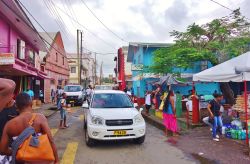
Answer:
(87, 69)
(20, 45)
(55, 64)
(141, 55)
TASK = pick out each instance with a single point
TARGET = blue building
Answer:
(141, 56)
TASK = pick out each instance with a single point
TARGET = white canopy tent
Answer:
(234, 70)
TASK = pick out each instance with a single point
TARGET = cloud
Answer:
(133, 20)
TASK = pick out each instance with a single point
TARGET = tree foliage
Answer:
(215, 41)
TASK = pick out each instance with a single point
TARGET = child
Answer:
(62, 108)
(17, 125)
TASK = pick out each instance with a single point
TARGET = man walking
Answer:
(214, 107)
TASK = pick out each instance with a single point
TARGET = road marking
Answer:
(53, 131)
(70, 153)
(81, 117)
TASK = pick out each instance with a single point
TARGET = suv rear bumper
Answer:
(107, 132)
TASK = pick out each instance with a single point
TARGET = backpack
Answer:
(59, 105)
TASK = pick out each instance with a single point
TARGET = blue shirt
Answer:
(168, 109)
(30, 92)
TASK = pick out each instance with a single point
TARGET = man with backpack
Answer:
(62, 105)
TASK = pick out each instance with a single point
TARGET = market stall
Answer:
(234, 70)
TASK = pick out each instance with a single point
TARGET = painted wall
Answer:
(8, 39)
(143, 56)
(201, 88)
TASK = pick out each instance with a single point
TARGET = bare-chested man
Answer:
(15, 127)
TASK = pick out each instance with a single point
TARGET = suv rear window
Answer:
(111, 100)
(72, 89)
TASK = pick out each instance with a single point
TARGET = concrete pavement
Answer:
(72, 148)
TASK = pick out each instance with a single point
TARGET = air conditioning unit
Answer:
(20, 49)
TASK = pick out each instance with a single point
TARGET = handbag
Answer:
(35, 148)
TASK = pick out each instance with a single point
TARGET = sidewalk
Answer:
(198, 143)
(46, 109)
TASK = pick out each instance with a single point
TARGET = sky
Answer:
(131, 20)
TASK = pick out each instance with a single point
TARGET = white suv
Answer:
(112, 116)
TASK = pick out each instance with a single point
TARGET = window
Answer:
(72, 88)
(111, 100)
(63, 60)
(204, 65)
(73, 69)
(20, 49)
(56, 57)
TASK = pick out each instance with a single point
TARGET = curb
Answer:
(52, 113)
(153, 121)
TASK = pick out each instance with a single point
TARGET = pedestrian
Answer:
(52, 94)
(41, 96)
(169, 115)
(18, 124)
(30, 92)
(157, 97)
(7, 109)
(89, 93)
(62, 105)
(214, 109)
(148, 102)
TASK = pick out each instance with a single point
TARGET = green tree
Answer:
(215, 41)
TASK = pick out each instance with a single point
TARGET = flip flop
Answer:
(67, 126)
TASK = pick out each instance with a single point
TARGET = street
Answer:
(72, 148)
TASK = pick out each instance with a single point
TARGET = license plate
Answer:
(72, 101)
(120, 132)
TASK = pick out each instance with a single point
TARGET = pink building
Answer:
(19, 48)
(55, 64)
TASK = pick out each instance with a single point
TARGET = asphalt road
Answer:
(72, 148)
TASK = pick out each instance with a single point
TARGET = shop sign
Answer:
(137, 67)
(7, 58)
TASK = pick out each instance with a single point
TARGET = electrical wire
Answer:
(54, 15)
(100, 53)
(60, 19)
(33, 27)
(92, 33)
(103, 23)
(225, 7)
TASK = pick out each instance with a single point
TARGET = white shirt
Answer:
(89, 91)
(148, 99)
(189, 105)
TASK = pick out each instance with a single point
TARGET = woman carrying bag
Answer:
(33, 142)
(169, 115)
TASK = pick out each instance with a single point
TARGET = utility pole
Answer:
(78, 56)
(95, 71)
(80, 74)
(101, 74)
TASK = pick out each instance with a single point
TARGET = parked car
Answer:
(75, 94)
(112, 116)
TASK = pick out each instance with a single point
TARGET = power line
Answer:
(221, 5)
(225, 7)
(52, 13)
(60, 18)
(103, 23)
(86, 28)
(34, 28)
(100, 53)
